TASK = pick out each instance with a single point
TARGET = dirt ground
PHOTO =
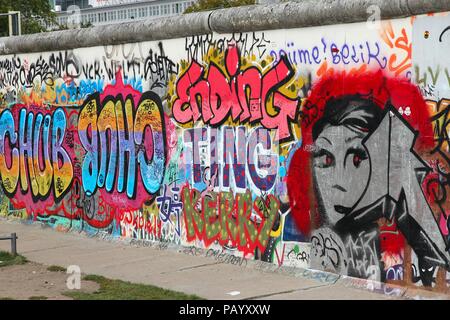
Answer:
(32, 280)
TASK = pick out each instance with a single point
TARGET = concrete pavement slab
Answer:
(174, 269)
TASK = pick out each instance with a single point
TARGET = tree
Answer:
(35, 14)
(203, 5)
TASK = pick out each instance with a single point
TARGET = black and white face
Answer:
(341, 169)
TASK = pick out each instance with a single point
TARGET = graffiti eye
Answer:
(323, 159)
(358, 156)
(356, 160)
(328, 160)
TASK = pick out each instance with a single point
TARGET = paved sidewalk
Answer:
(203, 276)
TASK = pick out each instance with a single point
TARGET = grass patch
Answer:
(122, 290)
(7, 259)
(56, 269)
(6, 298)
(38, 298)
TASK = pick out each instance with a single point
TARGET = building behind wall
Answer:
(112, 12)
(82, 4)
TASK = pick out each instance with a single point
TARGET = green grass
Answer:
(7, 259)
(121, 290)
(38, 298)
(56, 269)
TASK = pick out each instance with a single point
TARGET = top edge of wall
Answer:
(287, 15)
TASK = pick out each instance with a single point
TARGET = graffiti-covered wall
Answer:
(322, 147)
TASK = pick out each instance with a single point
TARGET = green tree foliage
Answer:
(34, 15)
(203, 5)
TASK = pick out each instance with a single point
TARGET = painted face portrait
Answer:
(341, 166)
(357, 177)
(330, 171)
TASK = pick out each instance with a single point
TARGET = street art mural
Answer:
(322, 148)
(364, 177)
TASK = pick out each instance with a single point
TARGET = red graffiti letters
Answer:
(249, 95)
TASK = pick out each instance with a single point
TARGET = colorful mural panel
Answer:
(324, 148)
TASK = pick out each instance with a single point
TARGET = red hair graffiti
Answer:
(375, 87)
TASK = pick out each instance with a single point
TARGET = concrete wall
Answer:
(273, 135)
